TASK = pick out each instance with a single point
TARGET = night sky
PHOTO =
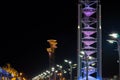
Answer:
(26, 27)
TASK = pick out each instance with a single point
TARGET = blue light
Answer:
(80, 78)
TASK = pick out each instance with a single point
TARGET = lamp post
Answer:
(70, 65)
(61, 72)
(116, 39)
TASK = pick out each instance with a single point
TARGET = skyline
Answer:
(25, 37)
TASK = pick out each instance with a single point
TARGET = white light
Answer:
(57, 65)
(78, 27)
(48, 71)
(111, 41)
(81, 56)
(90, 57)
(100, 27)
(75, 64)
(82, 52)
(56, 71)
(53, 69)
(61, 67)
(44, 73)
(65, 71)
(66, 60)
(93, 64)
(114, 35)
(117, 61)
(70, 62)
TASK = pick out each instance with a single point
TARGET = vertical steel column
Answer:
(79, 74)
(99, 55)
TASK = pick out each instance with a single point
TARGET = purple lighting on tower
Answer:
(89, 52)
(87, 45)
(89, 20)
(91, 70)
(88, 27)
(89, 42)
(88, 33)
(88, 11)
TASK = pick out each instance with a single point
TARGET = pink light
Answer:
(88, 47)
(89, 42)
(88, 11)
(88, 27)
(89, 52)
(88, 33)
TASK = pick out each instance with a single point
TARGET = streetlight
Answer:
(70, 64)
(61, 72)
(60, 67)
(116, 39)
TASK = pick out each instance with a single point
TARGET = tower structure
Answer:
(89, 40)
(51, 52)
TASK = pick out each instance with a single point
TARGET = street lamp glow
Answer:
(66, 60)
(93, 64)
(114, 35)
(53, 69)
(70, 65)
(81, 56)
(82, 52)
(64, 71)
(78, 27)
(59, 66)
(74, 64)
(111, 41)
(56, 71)
(44, 73)
(48, 71)
(70, 62)
(90, 57)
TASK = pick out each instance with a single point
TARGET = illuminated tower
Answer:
(89, 40)
(51, 52)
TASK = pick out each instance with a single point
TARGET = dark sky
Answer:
(26, 27)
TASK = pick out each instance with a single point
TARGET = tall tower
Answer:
(89, 40)
(51, 52)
